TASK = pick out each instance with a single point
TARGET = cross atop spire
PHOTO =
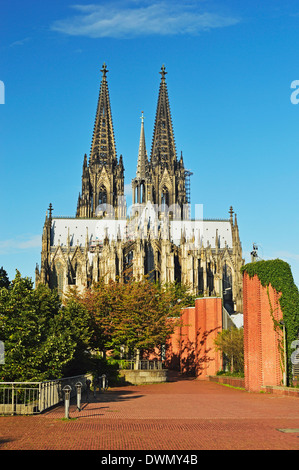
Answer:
(163, 72)
(104, 69)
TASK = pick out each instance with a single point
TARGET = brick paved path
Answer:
(180, 415)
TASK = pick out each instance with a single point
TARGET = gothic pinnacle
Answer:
(163, 72)
(104, 70)
(142, 154)
(163, 130)
(50, 210)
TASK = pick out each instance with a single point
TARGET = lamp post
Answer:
(104, 382)
(79, 387)
(67, 392)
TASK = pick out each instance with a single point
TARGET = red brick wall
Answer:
(262, 357)
(191, 348)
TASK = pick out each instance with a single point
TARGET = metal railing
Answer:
(35, 397)
(19, 397)
(130, 364)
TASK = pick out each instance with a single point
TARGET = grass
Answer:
(232, 386)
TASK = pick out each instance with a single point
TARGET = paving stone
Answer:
(188, 415)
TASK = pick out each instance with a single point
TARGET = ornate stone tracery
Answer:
(157, 238)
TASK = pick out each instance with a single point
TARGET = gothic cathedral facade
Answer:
(157, 238)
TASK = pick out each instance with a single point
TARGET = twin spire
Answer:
(103, 175)
(103, 147)
(163, 144)
(161, 179)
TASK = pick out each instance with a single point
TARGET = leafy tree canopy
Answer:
(45, 338)
(4, 281)
(138, 314)
(41, 337)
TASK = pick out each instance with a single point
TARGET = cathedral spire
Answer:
(142, 161)
(103, 148)
(103, 175)
(163, 144)
(140, 184)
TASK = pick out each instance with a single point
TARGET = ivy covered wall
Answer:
(278, 274)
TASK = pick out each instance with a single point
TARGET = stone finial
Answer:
(104, 70)
(163, 72)
(50, 210)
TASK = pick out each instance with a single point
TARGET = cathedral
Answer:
(157, 237)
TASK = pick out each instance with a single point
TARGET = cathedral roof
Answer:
(205, 232)
(215, 233)
(77, 228)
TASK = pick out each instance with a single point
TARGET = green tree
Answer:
(139, 315)
(79, 325)
(42, 338)
(180, 293)
(4, 281)
(231, 343)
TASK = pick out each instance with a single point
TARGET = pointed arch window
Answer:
(142, 192)
(58, 277)
(103, 195)
(165, 197)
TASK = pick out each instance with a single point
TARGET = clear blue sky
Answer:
(230, 67)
